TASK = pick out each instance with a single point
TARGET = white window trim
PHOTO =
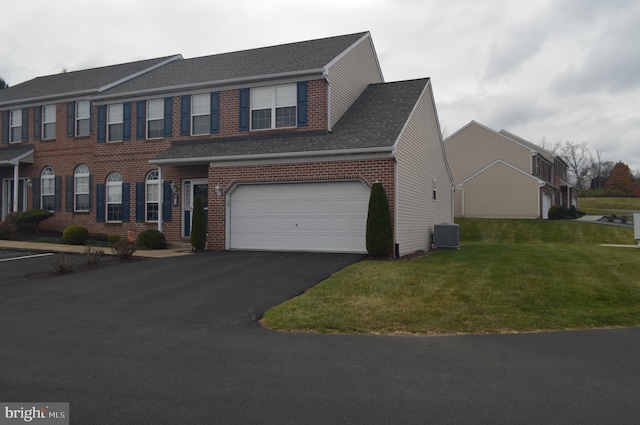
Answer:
(273, 106)
(149, 119)
(193, 114)
(11, 126)
(76, 192)
(113, 183)
(149, 182)
(109, 123)
(45, 122)
(78, 118)
(46, 177)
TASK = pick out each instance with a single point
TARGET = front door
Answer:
(191, 189)
(7, 196)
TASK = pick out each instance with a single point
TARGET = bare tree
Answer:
(578, 158)
(553, 147)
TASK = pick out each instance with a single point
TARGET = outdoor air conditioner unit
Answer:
(446, 235)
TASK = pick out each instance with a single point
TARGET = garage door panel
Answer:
(327, 216)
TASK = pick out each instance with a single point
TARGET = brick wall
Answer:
(131, 158)
(367, 171)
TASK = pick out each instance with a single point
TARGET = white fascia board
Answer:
(38, 100)
(255, 157)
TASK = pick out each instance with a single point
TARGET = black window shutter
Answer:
(5, 126)
(126, 202)
(244, 110)
(37, 122)
(36, 192)
(141, 118)
(25, 124)
(166, 201)
(215, 112)
(185, 115)
(126, 121)
(302, 103)
(71, 119)
(168, 116)
(69, 193)
(58, 194)
(100, 192)
(102, 125)
(139, 202)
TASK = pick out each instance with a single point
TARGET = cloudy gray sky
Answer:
(553, 69)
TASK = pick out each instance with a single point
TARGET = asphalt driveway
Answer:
(175, 341)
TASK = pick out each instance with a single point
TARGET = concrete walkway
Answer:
(172, 251)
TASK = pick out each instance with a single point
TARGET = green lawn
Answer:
(508, 276)
(606, 206)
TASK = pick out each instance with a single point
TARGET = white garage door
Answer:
(329, 216)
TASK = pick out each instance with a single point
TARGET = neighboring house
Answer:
(283, 144)
(499, 174)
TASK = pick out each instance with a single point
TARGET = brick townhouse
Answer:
(282, 143)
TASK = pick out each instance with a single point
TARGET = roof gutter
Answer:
(282, 155)
(38, 99)
(193, 86)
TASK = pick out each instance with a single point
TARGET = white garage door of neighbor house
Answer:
(329, 216)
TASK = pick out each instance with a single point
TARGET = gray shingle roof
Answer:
(374, 121)
(86, 81)
(10, 154)
(292, 57)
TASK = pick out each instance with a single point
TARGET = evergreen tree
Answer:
(198, 225)
(379, 230)
(3, 84)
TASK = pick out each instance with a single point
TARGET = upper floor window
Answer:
(200, 114)
(81, 188)
(49, 122)
(273, 107)
(115, 124)
(83, 113)
(114, 197)
(152, 195)
(15, 126)
(48, 189)
(155, 118)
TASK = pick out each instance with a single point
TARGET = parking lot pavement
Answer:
(176, 341)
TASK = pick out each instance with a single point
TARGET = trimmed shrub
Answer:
(151, 239)
(554, 213)
(113, 239)
(379, 237)
(572, 212)
(198, 225)
(75, 235)
(33, 217)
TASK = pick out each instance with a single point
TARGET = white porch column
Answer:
(16, 175)
(160, 197)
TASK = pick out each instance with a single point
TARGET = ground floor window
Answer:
(114, 197)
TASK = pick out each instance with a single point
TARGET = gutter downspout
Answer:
(16, 175)
(325, 73)
(160, 198)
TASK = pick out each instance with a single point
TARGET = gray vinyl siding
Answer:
(420, 159)
(350, 75)
(501, 192)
